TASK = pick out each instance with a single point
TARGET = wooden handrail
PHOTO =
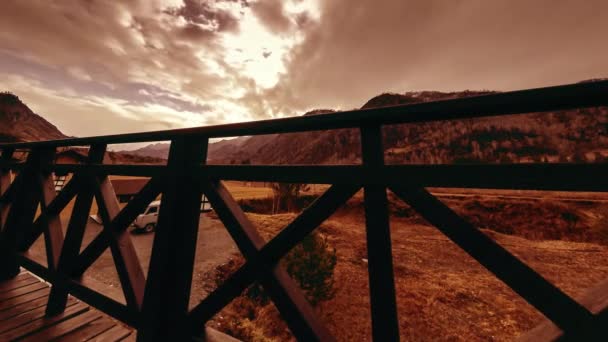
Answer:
(578, 95)
(158, 305)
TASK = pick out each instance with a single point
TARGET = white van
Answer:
(146, 222)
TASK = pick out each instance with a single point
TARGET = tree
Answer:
(286, 195)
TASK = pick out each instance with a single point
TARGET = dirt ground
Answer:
(214, 247)
(442, 293)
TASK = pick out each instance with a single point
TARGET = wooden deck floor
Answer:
(22, 305)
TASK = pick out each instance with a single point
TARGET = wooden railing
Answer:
(157, 305)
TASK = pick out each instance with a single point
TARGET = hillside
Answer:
(223, 147)
(564, 136)
(576, 135)
(19, 123)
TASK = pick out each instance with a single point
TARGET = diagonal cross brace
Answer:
(546, 297)
(50, 210)
(6, 188)
(127, 264)
(119, 224)
(51, 224)
(22, 211)
(321, 209)
(75, 233)
(283, 291)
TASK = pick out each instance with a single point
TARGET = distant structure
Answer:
(69, 156)
(126, 188)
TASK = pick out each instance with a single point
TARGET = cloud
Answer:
(358, 49)
(271, 14)
(96, 115)
(202, 17)
(94, 67)
(155, 59)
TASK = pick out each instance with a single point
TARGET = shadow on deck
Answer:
(22, 316)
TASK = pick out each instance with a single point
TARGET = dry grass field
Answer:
(442, 293)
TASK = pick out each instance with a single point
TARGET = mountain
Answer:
(579, 135)
(158, 150)
(19, 123)
(220, 148)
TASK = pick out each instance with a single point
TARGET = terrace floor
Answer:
(22, 306)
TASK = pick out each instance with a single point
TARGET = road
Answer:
(214, 247)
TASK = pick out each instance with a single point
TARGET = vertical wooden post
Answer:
(385, 325)
(53, 230)
(8, 267)
(75, 233)
(165, 306)
(5, 183)
(20, 215)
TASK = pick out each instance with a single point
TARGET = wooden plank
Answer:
(7, 304)
(43, 323)
(167, 293)
(528, 176)
(113, 169)
(89, 331)
(21, 308)
(27, 317)
(220, 297)
(130, 338)
(74, 234)
(64, 327)
(594, 299)
(577, 95)
(283, 291)
(536, 290)
(385, 324)
(125, 257)
(5, 187)
(53, 229)
(22, 290)
(310, 218)
(120, 223)
(17, 282)
(22, 319)
(85, 289)
(21, 214)
(51, 210)
(114, 334)
(286, 239)
(7, 193)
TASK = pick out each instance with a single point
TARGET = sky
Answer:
(95, 67)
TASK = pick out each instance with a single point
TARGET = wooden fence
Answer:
(157, 305)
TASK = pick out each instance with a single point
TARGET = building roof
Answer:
(77, 156)
(128, 186)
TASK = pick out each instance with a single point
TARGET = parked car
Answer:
(146, 222)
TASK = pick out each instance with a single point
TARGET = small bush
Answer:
(311, 264)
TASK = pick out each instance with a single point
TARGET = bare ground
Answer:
(214, 247)
(442, 293)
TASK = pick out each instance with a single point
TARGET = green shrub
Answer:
(311, 264)
(251, 317)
